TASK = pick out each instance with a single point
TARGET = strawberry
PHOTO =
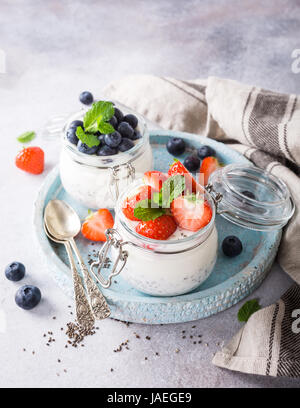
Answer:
(143, 193)
(31, 159)
(178, 168)
(208, 166)
(154, 179)
(190, 212)
(160, 228)
(96, 224)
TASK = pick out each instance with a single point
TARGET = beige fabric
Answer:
(262, 125)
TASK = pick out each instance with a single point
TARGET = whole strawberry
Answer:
(160, 228)
(31, 160)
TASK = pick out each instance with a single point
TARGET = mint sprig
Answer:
(248, 308)
(171, 189)
(87, 138)
(97, 116)
(145, 211)
(26, 137)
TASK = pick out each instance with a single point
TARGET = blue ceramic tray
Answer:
(231, 280)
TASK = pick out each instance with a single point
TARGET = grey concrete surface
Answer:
(54, 50)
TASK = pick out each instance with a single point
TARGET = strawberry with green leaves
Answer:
(161, 228)
(178, 168)
(143, 193)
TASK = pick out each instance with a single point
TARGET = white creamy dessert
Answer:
(96, 181)
(168, 267)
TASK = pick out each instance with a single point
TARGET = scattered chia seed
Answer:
(177, 350)
(148, 338)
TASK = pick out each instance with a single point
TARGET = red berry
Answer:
(208, 166)
(190, 183)
(191, 213)
(31, 159)
(96, 224)
(161, 228)
(154, 179)
(129, 204)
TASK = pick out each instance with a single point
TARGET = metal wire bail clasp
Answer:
(116, 177)
(113, 239)
(217, 197)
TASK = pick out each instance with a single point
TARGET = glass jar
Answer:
(96, 181)
(175, 267)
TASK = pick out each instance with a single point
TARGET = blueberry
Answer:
(249, 194)
(206, 151)
(101, 138)
(126, 130)
(107, 151)
(131, 119)
(232, 246)
(136, 135)
(86, 98)
(83, 148)
(76, 123)
(119, 115)
(28, 296)
(113, 139)
(15, 271)
(125, 145)
(113, 121)
(176, 146)
(192, 163)
(71, 135)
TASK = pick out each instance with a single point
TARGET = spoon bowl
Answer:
(61, 220)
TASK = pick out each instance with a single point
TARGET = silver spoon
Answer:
(84, 313)
(64, 224)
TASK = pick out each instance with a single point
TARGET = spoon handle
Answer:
(83, 311)
(98, 303)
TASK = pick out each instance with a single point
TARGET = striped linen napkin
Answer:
(265, 127)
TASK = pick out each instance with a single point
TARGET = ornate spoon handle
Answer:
(98, 303)
(83, 310)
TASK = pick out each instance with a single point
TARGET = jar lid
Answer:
(251, 197)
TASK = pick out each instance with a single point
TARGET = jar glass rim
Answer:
(113, 160)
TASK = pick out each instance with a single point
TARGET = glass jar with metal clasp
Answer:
(96, 181)
(174, 267)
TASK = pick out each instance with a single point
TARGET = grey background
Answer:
(55, 49)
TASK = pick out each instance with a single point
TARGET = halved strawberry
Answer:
(31, 159)
(154, 179)
(143, 193)
(190, 212)
(161, 228)
(190, 183)
(96, 224)
(208, 166)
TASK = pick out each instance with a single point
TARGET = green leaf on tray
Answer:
(145, 210)
(248, 308)
(26, 137)
(100, 112)
(88, 138)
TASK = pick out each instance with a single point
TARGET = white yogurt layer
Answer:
(91, 185)
(168, 274)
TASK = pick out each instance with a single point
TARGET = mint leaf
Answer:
(105, 128)
(100, 111)
(171, 189)
(248, 308)
(26, 137)
(145, 211)
(87, 138)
